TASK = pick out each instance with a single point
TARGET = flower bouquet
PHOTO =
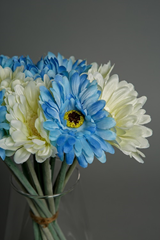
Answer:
(66, 108)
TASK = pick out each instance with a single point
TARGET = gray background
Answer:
(122, 196)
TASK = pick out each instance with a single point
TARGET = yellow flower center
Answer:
(74, 119)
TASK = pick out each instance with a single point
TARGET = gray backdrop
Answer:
(122, 196)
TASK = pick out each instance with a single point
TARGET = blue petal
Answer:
(50, 125)
(51, 55)
(70, 157)
(82, 161)
(99, 115)
(67, 147)
(2, 153)
(75, 82)
(1, 133)
(61, 139)
(40, 64)
(5, 126)
(1, 96)
(60, 59)
(56, 93)
(84, 85)
(106, 123)
(89, 159)
(102, 159)
(3, 113)
(45, 94)
(83, 78)
(69, 65)
(95, 146)
(106, 134)
(51, 113)
(78, 147)
(60, 152)
(86, 148)
(88, 93)
(104, 144)
(71, 140)
(54, 134)
(89, 101)
(96, 107)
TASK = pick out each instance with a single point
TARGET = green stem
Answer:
(43, 235)
(59, 231)
(70, 171)
(22, 179)
(27, 174)
(52, 163)
(34, 177)
(48, 184)
(44, 212)
(47, 231)
(37, 167)
(37, 234)
(60, 182)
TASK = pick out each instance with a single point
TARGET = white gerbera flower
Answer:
(9, 79)
(124, 106)
(27, 135)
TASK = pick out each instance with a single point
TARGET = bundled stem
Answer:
(48, 184)
(30, 184)
(70, 171)
(60, 182)
(52, 164)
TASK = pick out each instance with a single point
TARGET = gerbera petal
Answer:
(106, 123)
(106, 134)
(21, 155)
(97, 106)
(50, 125)
(2, 153)
(70, 157)
(82, 161)
(75, 82)
(102, 159)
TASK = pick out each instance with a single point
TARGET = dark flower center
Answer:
(74, 117)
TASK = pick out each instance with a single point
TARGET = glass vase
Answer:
(72, 217)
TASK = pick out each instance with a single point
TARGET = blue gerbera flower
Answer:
(3, 125)
(52, 65)
(77, 123)
(15, 62)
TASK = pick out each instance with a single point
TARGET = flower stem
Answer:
(23, 180)
(59, 231)
(48, 184)
(29, 165)
(70, 171)
(60, 182)
(37, 167)
(37, 234)
(52, 163)
(47, 231)
(44, 212)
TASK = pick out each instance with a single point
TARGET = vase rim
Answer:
(70, 189)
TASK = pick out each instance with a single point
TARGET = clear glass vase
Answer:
(72, 215)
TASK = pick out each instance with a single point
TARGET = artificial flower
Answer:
(77, 123)
(27, 135)
(126, 108)
(9, 79)
(52, 65)
(4, 126)
(15, 62)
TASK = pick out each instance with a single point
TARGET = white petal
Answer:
(38, 142)
(21, 155)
